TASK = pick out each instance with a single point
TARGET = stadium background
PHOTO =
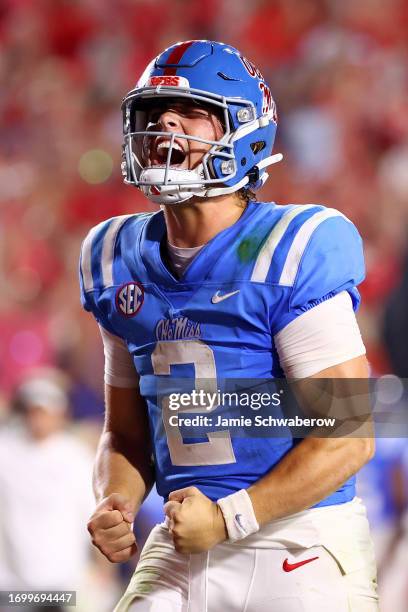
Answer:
(339, 74)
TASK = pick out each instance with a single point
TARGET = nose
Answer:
(169, 120)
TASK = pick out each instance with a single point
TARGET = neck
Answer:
(195, 222)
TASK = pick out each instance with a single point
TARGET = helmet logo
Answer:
(168, 81)
(268, 102)
(129, 299)
(154, 190)
(252, 70)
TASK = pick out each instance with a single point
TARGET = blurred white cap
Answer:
(43, 392)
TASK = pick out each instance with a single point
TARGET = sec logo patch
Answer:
(129, 299)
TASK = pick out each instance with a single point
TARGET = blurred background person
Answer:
(383, 484)
(45, 493)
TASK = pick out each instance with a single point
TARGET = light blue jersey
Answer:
(219, 320)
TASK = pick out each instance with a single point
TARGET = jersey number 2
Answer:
(218, 449)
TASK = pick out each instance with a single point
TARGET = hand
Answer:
(196, 523)
(110, 527)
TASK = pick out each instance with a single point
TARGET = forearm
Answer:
(318, 466)
(307, 474)
(121, 468)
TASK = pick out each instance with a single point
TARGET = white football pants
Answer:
(264, 572)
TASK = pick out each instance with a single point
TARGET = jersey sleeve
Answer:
(102, 265)
(85, 301)
(325, 259)
(90, 272)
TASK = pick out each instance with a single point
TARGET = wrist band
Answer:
(239, 515)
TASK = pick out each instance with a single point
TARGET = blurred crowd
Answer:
(339, 74)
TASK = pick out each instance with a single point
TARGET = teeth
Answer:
(165, 144)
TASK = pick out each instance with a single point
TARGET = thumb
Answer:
(171, 508)
(117, 501)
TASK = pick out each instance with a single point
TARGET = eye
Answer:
(154, 115)
(198, 112)
(184, 110)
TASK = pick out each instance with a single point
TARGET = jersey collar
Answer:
(202, 265)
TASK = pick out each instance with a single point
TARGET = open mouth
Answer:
(161, 151)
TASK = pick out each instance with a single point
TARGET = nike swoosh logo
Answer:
(238, 520)
(289, 567)
(216, 298)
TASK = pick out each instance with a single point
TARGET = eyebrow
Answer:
(181, 106)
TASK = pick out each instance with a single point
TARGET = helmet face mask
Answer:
(227, 163)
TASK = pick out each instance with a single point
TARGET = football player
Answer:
(217, 286)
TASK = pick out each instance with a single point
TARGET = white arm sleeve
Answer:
(322, 337)
(119, 367)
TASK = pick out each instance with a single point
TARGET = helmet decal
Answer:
(252, 70)
(170, 81)
(175, 56)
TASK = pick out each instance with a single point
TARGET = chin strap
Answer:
(175, 192)
(268, 161)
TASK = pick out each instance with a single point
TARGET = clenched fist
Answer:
(110, 527)
(195, 522)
